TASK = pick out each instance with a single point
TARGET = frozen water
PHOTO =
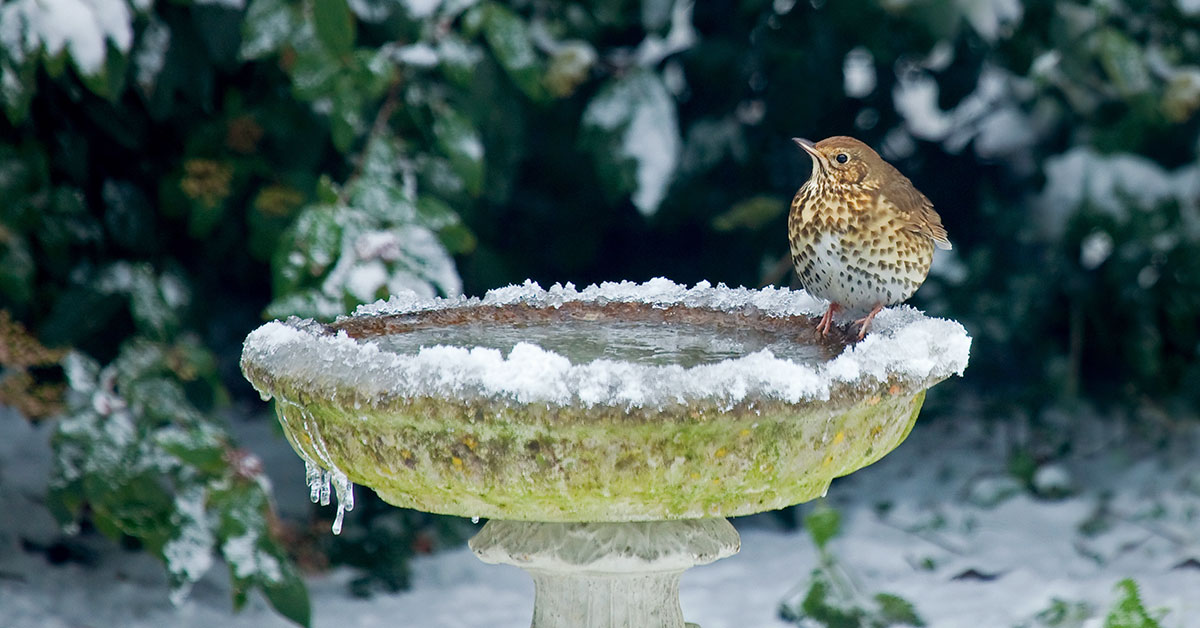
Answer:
(903, 343)
(645, 342)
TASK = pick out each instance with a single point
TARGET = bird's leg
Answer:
(865, 321)
(826, 323)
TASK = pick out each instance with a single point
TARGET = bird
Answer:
(861, 235)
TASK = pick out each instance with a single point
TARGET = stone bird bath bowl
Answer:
(605, 433)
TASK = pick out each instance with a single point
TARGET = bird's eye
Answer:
(842, 158)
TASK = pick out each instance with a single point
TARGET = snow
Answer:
(681, 36)
(858, 72)
(1095, 249)
(928, 538)
(82, 27)
(235, 5)
(189, 555)
(419, 55)
(151, 54)
(992, 19)
(902, 343)
(639, 107)
(987, 113)
(421, 9)
(247, 560)
(1112, 185)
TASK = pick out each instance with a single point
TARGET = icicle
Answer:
(344, 489)
(337, 521)
(312, 477)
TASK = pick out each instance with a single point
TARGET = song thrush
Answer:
(861, 235)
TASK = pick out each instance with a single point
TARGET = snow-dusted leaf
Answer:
(631, 129)
(254, 557)
(511, 42)
(309, 249)
(267, 26)
(84, 29)
(458, 58)
(17, 83)
(458, 139)
(188, 553)
(150, 55)
(16, 268)
(1123, 61)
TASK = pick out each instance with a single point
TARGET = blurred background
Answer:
(173, 173)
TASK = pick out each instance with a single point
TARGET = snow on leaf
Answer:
(236, 5)
(635, 133)
(510, 40)
(82, 28)
(247, 560)
(992, 19)
(151, 54)
(681, 36)
(268, 24)
(1109, 184)
(458, 139)
(188, 553)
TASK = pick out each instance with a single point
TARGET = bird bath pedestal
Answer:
(606, 433)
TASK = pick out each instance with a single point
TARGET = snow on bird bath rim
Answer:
(903, 343)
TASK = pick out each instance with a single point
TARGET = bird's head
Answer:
(844, 161)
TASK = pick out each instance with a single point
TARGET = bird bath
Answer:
(605, 433)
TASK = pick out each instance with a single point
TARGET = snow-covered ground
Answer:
(937, 522)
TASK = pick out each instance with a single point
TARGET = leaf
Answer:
(308, 249)
(458, 59)
(1129, 611)
(188, 551)
(18, 78)
(459, 140)
(894, 609)
(511, 42)
(267, 26)
(436, 215)
(823, 523)
(631, 130)
(290, 598)
(1123, 61)
(16, 268)
(334, 26)
(201, 447)
(128, 216)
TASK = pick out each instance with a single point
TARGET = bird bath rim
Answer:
(532, 436)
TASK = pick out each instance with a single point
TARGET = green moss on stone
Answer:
(502, 460)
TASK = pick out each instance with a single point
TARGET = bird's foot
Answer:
(864, 323)
(826, 324)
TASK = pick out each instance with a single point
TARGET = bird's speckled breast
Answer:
(848, 250)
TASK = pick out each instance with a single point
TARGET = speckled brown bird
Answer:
(861, 235)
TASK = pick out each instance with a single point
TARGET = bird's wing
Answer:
(915, 209)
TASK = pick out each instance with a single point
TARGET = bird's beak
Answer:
(812, 151)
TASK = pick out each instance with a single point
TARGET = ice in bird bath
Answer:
(606, 432)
